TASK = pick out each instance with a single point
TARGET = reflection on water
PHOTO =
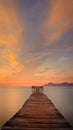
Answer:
(12, 99)
(62, 97)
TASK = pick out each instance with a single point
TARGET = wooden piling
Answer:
(37, 113)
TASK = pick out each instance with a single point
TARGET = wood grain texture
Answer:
(37, 113)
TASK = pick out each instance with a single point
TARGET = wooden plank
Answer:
(37, 113)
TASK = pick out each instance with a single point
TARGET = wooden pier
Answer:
(37, 113)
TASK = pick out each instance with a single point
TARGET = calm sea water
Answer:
(12, 99)
(62, 97)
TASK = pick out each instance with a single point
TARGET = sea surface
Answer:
(12, 99)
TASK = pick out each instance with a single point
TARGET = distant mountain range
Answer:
(59, 84)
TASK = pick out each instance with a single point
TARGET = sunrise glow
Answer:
(36, 42)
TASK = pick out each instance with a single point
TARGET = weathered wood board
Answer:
(37, 113)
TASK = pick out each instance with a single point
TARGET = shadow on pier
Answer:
(37, 113)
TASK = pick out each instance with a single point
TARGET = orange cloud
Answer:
(32, 68)
(10, 66)
(10, 24)
(15, 65)
(11, 30)
(62, 59)
(59, 19)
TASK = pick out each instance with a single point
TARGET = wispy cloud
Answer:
(11, 30)
(63, 59)
(59, 20)
(36, 40)
(10, 24)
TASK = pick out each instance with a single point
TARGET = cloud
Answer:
(59, 19)
(10, 24)
(9, 64)
(35, 40)
(63, 59)
(11, 30)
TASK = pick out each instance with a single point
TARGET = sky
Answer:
(36, 42)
